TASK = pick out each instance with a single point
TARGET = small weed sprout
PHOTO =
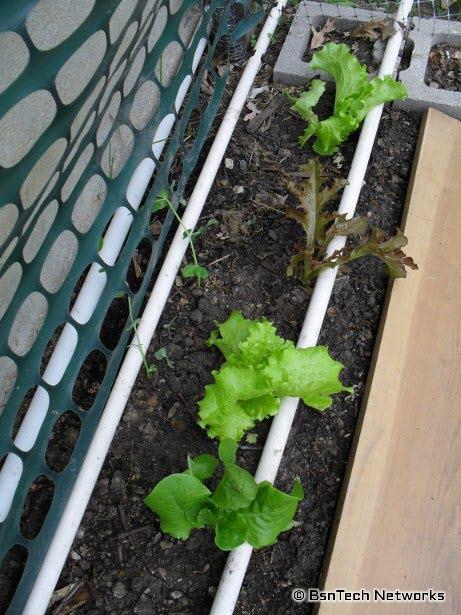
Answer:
(149, 368)
(169, 326)
(163, 201)
(160, 354)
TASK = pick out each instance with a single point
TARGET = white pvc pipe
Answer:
(65, 533)
(237, 561)
(87, 299)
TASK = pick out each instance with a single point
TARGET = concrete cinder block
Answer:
(290, 68)
(420, 95)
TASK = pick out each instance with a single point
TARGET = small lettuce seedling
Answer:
(260, 369)
(239, 510)
(355, 96)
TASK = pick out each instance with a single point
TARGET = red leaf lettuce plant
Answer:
(321, 226)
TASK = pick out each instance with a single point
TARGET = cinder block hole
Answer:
(11, 571)
(63, 439)
(367, 51)
(89, 379)
(114, 322)
(50, 348)
(138, 265)
(407, 52)
(36, 506)
(443, 70)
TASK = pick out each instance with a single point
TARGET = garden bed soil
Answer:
(120, 553)
(444, 67)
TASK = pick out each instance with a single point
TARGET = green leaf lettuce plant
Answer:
(239, 510)
(260, 368)
(355, 96)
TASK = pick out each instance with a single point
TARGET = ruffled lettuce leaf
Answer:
(202, 467)
(349, 75)
(228, 335)
(308, 373)
(238, 398)
(355, 97)
(262, 342)
(303, 105)
(260, 368)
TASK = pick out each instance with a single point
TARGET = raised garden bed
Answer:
(121, 562)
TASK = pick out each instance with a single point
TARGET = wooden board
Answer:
(399, 518)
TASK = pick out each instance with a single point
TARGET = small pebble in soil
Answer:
(157, 538)
(229, 163)
(118, 483)
(119, 590)
(197, 316)
(162, 573)
(284, 152)
(238, 189)
(176, 595)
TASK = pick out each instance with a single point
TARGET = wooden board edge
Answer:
(361, 415)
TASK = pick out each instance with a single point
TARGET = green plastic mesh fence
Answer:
(98, 102)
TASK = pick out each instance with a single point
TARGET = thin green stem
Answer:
(148, 368)
(187, 232)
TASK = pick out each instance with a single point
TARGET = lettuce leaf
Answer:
(260, 368)
(239, 510)
(228, 335)
(308, 373)
(350, 76)
(355, 97)
(176, 499)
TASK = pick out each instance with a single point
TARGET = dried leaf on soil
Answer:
(318, 36)
(374, 29)
(445, 4)
(137, 266)
(256, 91)
(254, 111)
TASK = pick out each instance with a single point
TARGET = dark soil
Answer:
(362, 48)
(120, 550)
(444, 67)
